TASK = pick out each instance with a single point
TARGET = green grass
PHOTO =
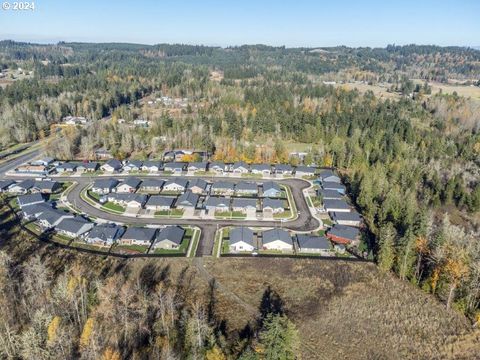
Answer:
(92, 173)
(194, 241)
(327, 222)
(137, 248)
(113, 207)
(309, 201)
(93, 195)
(182, 249)
(217, 242)
(252, 176)
(225, 247)
(169, 192)
(283, 215)
(230, 215)
(170, 213)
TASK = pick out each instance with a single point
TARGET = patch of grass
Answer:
(252, 176)
(230, 215)
(113, 207)
(194, 242)
(131, 248)
(225, 247)
(283, 215)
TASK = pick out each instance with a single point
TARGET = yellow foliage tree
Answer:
(214, 354)
(52, 329)
(87, 332)
(327, 160)
(110, 354)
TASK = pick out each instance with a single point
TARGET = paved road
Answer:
(12, 164)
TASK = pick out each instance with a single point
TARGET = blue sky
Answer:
(281, 22)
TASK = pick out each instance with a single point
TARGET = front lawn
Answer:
(172, 212)
(113, 207)
(230, 215)
(283, 215)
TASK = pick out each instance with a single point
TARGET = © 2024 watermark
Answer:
(18, 6)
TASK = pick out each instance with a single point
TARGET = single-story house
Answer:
(283, 169)
(271, 189)
(331, 205)
(133, 165)
(169, 237)
(74, 227)
(351, 218)
(220, 204)
(176, 184)
(246, 188)
(277, 239)
(187, 200)
(45, 187)
(129, 185)
(22, 187)
(66, 167)
(241, 239)
(240, 167)
(314, 244)
(176, 167)
(112, 165)
(197, 166)
(151, 185)
(329, 176)
(29, 199)
(33, 211)
(343, 234)
(152, 166)
(223, 187)
(91, 166)
(243, 205)
(103, 154)
(5, 184)
(263, 169)
(197, 186)
(32, 169)
(159, 203)
(328, 185)
(138, 236)
(52, 217)
(329, 194)
(104, 234)
(217, 167)
(275, 205)
(305, 171)
(104, 186)
(46, 161)
(129, 200)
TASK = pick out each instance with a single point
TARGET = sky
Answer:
(296, 23)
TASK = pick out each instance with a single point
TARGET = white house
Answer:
(241, 239)
(277, 239)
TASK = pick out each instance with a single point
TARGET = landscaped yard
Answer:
(131, 248)
(283, 215)
(113, 207)
(183, 245)
(172, 212)
(225, 247)
(230, 215)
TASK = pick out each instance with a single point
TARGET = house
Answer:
(301, 171)
(152, 166)
(169, 237)
(246, 188)
(174, 167)
(129, 185)
(342, 234)
(103, 154)
(271, 189)
(128, 200)
(283, 169)
(22, 187)
(329, 176)
(328, 185)
(46, 161)
(314, 244)
(91, 166)
(45, 187)
(32, 169)
(274, 205)
(104, 186)
(66, 167)
(111, 166)
(277, 239)
(262, 169)
(151, 185)
(159, 203)
(329, 194)
(5, 184)
(240, 167)
(29, 199)
(52, 217)
(243, 205)
(217, 167)
(104, 234)
(133, 165)
(220, 204)
(74, 227)
(222, 187)
(138, 236)
(197, 186)
(331, 205)
(351, 218)
(197, 166)
(241, 239)
(33, 211)
(176, 184)
(187, 200)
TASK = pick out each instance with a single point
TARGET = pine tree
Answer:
(386, 254)
(279, 338)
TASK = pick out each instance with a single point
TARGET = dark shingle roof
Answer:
(305, 169)
(158, 200)
(202, 184)
(283, 167)
(26, 184)
(276, 234)
(335, 204)
(72, 225)
(114, 163)
(312, 242)
(329, 194)
(223, 185)
(244, 203)
(46, 185)
(105, 183)
(246, 186)
(106, 232)
(198, 165)
(346, 216)
(172, 233)
(271, 185)
(36, 209)
(132, 182)
(51, 216)
(187, 199)
(242, 233)
(139, 233)
(178, 181)
(29, 199)
(333, 185)
(261, 167)
(347, 232)
(273, 203)
(5, 184)
(217, 201)
(152, 183)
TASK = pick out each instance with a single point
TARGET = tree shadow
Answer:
(271, 304)
(150, 276)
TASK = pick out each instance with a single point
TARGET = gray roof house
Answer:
(239, 204)
(217, 204)
(304, 171)
(351, 218)
(329, 185)
(104, 234)
(331, 205)
(104, 186)
(30, 199)
(313, 244)
(74, 227)
(45, 187)
(218, 167)
(129, 185)
(112, 165)
(176, 184)
(91, 166)
(197, 186)
(271, 189)
(240, 167)
(138, 236)
(246, 187)
(277, 239)
(187, 199)
(263, 169)
(66, 167)
(52, 217)
(284, 169)
(241, 239)
(169, 237)
(223, 187)
(342, 234)
(5, 184)
(152, 185)
(133, 165)
(33, 211)
(329, 176)
(152, 165)
(129, 200)
(197, 166)
(329, 194)
(276, 205)
(173, 166)
(158, 203)
(21, 187)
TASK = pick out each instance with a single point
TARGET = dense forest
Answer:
(411, 163)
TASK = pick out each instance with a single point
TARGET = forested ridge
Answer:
(411, 163)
